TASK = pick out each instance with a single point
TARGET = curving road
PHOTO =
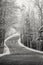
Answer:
(19, 54)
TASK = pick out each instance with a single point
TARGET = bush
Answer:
(33, 44)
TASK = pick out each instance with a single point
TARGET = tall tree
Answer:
(2, 27)
(27, 30)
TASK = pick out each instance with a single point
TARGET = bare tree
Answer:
(39, 4)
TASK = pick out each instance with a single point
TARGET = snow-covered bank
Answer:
(6, 51)
(37, 51)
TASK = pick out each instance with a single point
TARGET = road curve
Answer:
(20, 44)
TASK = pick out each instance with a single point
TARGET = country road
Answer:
(20, 55)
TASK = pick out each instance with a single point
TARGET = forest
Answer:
(25, 16)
